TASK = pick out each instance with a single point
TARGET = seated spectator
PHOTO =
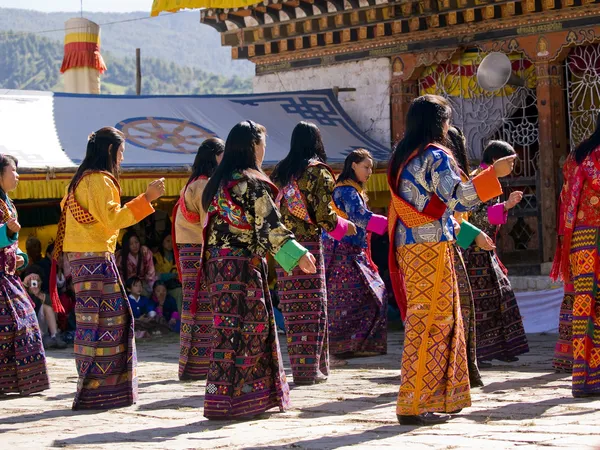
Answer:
(146, 320)
(140, 305)
(37, 263)
(166, 306)
(45, 314)
(166, 270)
(152, 229)
(135, 260)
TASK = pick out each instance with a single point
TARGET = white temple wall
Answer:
(369, 106)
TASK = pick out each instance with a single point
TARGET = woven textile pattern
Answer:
(467, 307)
(499, 325)
(196, 331)
(356, 301)
(22, 358)
(585, 267)
(435, 375)
(303, 302)
(105, 353)
(245, 375)
(563, 351)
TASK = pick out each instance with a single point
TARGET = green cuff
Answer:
(289, 255)
(467, 234)
(25, 258)
(5, 241)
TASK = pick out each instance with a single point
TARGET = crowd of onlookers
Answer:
(147, 266)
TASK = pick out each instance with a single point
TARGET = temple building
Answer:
(379, 55)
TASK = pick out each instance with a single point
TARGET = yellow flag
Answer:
(159, 6)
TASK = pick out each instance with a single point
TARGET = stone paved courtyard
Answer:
(524, 405)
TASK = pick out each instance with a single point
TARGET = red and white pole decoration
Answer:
(82, 64)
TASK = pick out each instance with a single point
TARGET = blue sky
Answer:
(75, 5)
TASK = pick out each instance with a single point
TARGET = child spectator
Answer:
(166, 306)
(140, 305)
(164, 265)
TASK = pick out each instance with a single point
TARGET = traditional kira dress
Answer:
(563, 351)
(22, 358)
(306, 209)
(427, 191)
(196, 317)
(356, 295)
(577, 261)
(246, 375)
(104, 338)
(499, 326)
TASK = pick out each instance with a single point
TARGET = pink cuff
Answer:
(340, 229)
(378, 224)
(497, 215)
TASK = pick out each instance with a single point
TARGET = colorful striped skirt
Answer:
(467, 308)
(196, 331)
(105, 353)
(435, 375)
(303, 302)
(245, 375)
(22, 357)
(499, 326)
(563, 351)
(356, 301)
(585, 268)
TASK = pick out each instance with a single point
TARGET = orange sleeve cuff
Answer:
(140, 207)
(487, 185)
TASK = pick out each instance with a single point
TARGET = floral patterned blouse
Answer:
(317, 185)
(244, 215)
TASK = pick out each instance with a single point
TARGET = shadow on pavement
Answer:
(344, 440)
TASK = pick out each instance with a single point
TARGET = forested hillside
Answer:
(31, 62)
(178, 38)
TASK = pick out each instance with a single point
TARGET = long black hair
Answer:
(239, 155)
(126, 250)
(586, 147)
(458, 144)
(356, 156)
(101, 153)
(205, 162)
(424, 125)
(5, 161)
(305, 146)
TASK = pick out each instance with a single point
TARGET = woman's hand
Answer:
(13, 225)
(456, 226)
(514, 198)
(351, 231)
(504, 166)
(155, 189)
(484, 242)
(308, 263)
(20, 261)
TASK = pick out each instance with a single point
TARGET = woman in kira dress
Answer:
(306, 184)
(577, 259)
(22, 358)
(426, 190)
(188, 228)
(467, 233)
(499, 326)
(91, 219)
(356, 294)
(245, 375)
